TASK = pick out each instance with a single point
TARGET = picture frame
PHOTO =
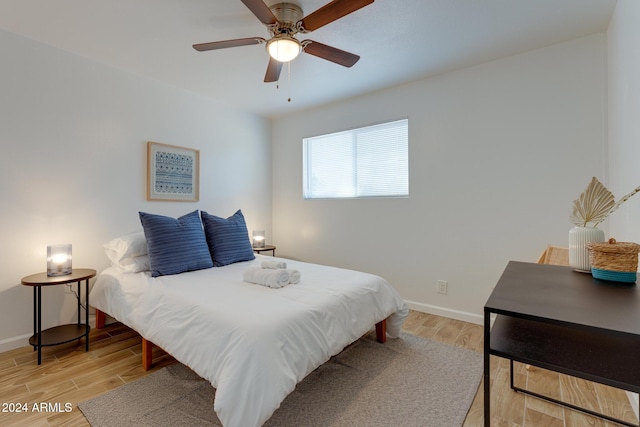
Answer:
(173, 173)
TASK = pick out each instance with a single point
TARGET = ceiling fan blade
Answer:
(329, 53)
(203, 47)
(261, 11)
(273, 71)
(331, 12)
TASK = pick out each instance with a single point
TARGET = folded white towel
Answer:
(273, 278)
(294, 276)
(274, 264)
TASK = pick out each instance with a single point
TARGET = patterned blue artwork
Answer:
(174, 173)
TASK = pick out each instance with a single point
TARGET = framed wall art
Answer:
(172, 173)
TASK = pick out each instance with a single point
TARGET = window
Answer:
(367, 162)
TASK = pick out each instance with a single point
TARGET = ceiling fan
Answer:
(284, 21)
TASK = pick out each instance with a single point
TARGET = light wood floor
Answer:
(68, 374)
(511, 409)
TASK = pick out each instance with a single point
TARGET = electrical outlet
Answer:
(442, 287)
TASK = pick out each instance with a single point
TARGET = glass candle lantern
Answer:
(258, 238)
(58, 260)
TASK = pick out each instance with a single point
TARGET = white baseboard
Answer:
(446, 312)
(12, 343)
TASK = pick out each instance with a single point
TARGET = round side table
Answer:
(63, 333)
(266, 248)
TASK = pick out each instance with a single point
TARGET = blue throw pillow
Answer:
(175, 245)
(228, 238)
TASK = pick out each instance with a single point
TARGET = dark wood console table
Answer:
(558, 319)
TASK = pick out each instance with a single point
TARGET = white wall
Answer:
(624, 117)
(73, 135)
(498, 152)
(623, 38)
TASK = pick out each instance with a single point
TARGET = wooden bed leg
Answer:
(381, 331)
(147, 346)
(147, 357)
(100, 319)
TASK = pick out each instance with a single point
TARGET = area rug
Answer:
(406, 382)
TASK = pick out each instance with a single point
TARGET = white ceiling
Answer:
(398, 41)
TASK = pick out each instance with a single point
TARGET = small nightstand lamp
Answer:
(258, 238)
(58, 260)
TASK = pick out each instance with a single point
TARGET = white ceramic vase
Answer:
(578, 254)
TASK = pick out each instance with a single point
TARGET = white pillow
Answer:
(124, 247)
(134, 264)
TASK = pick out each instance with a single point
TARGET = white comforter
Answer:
(253, 343)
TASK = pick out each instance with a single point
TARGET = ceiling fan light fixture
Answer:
(283, 48)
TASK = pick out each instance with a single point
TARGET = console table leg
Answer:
(574, 407)
(511, 374)
(487, 360)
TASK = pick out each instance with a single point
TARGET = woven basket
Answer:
(615, 261)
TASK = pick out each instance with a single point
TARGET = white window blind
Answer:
(366, 162)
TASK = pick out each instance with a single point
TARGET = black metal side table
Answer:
(63, 333)
(569, 322)
(266, 248)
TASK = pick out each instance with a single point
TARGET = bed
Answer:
(252, 342)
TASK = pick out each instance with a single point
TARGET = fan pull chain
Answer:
(289, 79)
